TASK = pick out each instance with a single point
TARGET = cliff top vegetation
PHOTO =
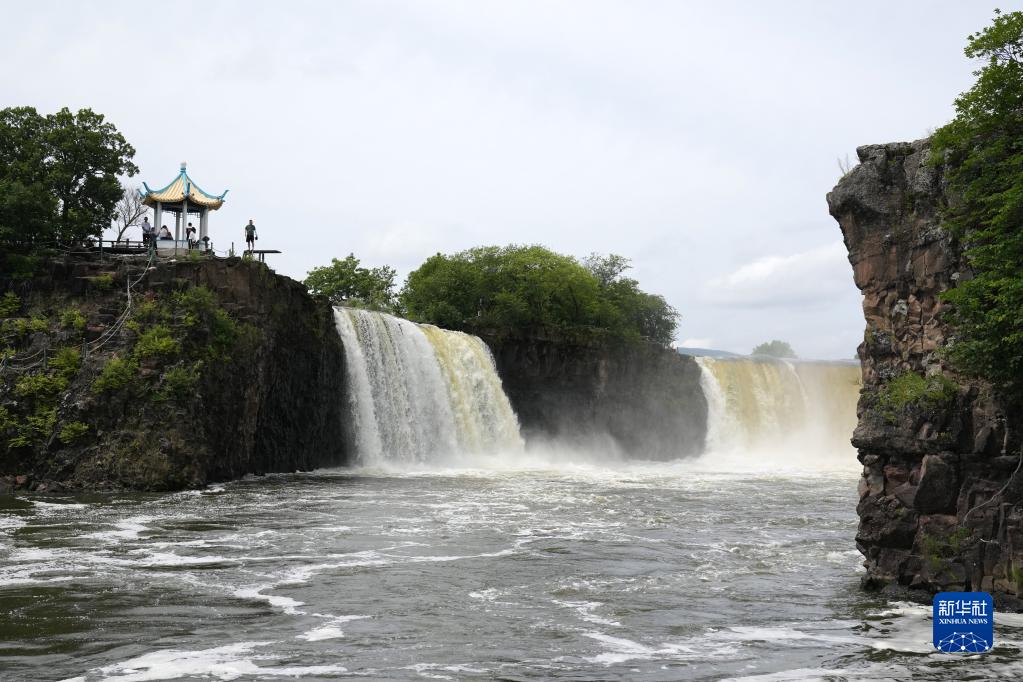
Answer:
(983, 147)
(58, 175)
(509, 289)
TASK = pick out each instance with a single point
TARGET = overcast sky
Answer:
(696, 138)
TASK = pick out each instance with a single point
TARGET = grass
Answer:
(909, 389)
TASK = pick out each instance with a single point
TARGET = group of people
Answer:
(149, 232)
(150, 235)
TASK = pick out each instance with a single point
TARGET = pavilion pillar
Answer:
(203, 222)
(157, 217)
(181, 224)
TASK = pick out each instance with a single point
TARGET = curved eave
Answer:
(180, 188)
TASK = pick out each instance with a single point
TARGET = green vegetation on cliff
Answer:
(67, 386)
(346, 282)
(983, 147)
(514, 288)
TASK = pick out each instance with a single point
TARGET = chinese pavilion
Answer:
(183, 198)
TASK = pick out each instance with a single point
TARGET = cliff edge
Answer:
(939, 497)
(208, 370)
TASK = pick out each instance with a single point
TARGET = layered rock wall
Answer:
(259, 388)
(939, 502)
(637, 399)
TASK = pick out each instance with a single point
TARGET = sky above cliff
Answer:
(698, 139)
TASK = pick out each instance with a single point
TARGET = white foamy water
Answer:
(422, 394)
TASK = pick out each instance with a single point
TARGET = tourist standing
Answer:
(190, 236)
(147, 231)
(250, 236)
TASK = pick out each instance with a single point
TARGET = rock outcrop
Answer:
(635, 399)
(939, 498)
(219, 368)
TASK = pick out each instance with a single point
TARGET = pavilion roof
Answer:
(180, 188)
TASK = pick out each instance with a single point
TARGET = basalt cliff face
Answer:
(637, 399)
(216, 369)
(939, 501)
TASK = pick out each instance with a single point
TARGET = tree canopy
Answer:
(59, 174)
(775, 349)
(346, 282)
(510, 289)
(983, 149)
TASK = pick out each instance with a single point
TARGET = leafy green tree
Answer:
(775, 349)
(983, 149)
(59, 174)
(346, 282)
(515, 289)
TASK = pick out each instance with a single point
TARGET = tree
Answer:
(346, 282)
(775, 349)
(59, 174)
(982, 148)
(519, 289)
(129, 210)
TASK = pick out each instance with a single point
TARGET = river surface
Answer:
(666, 572)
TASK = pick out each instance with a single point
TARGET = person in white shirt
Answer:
(147, 230)
(165, 233)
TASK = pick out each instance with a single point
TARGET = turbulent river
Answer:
(456, 552)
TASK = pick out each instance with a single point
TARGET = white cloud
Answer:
(395, 130)
(807, 278)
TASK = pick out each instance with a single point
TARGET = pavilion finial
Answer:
(183, 166)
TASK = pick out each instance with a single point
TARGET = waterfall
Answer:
(418, 393)
(763, 405)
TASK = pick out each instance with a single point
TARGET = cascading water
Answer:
(792, 408)
(419, 393)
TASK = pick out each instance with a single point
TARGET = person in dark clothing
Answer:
(250, 236)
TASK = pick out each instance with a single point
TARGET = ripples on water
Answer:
(646, 573)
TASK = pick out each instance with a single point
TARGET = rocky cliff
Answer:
(209, 370)
(635, 399)
(939, 499)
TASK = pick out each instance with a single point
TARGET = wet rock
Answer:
(943, 463)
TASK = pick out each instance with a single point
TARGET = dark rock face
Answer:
(930, 514)
(638, 399)
(275, 404)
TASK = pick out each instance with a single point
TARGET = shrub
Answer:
(25, 326)
(44, 387)
(179, 382)
(156, 342)
(35, 429)
(116, 374)
(66, 362)
(146, 311)
(71, 432)
(909, 388)
(9, 304)
(104, 282)
(72, 318)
